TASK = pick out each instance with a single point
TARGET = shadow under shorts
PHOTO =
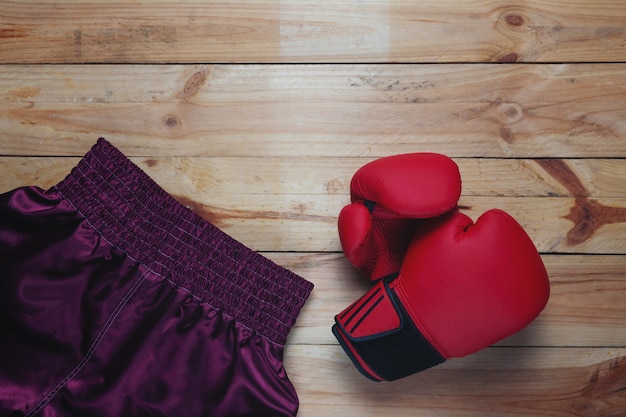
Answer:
(116, 300)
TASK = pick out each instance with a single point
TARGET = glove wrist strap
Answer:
(381, 339)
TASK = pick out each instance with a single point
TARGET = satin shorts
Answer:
(116, 300)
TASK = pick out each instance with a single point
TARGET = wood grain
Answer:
(494, 382)
(523, 111)
(272, 204)
(203, 179)
(296, 31)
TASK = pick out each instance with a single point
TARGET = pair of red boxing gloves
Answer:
(443, 286)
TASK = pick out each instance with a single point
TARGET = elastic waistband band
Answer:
(135, 214)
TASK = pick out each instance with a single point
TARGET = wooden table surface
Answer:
(257, 113)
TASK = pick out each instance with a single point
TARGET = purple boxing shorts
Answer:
(116, 300)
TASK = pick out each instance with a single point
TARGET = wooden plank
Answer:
(586, 306)
(543, 84)
(298, 31)
(494, 382)
(272, 204)
(227, 176)
(371, 110)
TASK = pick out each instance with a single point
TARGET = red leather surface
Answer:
(470, 285)
(403, 189)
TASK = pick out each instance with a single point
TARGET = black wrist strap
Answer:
(392, 354)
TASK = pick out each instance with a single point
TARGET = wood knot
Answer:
(151, 162)
(512, 111)
(171, 122)
(507, 135)
(511, 57)
(509, 113)
(195, 83)
(514, 19)
(588, 216)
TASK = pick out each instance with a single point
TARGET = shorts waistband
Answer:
(136, 215)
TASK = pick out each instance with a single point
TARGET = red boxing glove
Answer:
(461, 288)
(388, 196)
